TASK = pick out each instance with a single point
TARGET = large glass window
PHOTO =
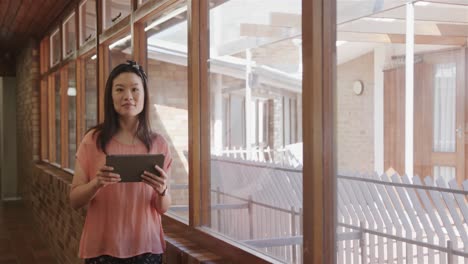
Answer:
(400, 118)
(58, 110)
(255, 86)
(71, 95)
(44, 120)
(91, 93)
(87, 21)
(55, 48)
(69, 36)
(120, 51)
(167, 78)
(115, 10)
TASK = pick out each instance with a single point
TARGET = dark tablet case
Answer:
(131, 167)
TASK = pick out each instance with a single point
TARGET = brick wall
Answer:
(45, 194)
(27, 73)
(169, 103)
(355, 116)
(59, 224)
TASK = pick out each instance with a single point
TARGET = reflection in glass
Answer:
(58, 131)
(406, 125)
(255, 86)
(44, 120)
(120, 51)
(71, 95)
(55, 48)
(87, 21)
(69, 36)
(115, 10)
(167, 80)
(91, 93)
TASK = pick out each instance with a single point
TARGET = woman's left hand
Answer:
(159, 183)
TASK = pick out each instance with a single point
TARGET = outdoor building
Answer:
(301, 131)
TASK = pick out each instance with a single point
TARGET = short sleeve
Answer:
(83, 153)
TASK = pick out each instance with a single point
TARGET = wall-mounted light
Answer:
(71, 91)
(358, 87)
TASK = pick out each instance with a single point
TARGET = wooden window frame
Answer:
(44, 119)
(84, 40)
(51, 46)
(319, 67)
(68, 53)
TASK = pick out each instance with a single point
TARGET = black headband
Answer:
(138, 67)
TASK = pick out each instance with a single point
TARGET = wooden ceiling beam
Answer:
(400, 38)
(280, 19)
(266, 31)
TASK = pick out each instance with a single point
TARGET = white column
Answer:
(409, 85)
(249, 140)
(218, 115)
(379, 63)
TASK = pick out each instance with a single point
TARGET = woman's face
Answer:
(128, 94)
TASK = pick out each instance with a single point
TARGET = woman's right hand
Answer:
(105, 176)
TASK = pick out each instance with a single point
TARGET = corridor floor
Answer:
(19, 241)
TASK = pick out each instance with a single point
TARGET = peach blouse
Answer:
(121, 219)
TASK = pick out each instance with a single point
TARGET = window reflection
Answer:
(120, 51)
(69, 36)
(406, 124)
(87, 21)
(114, 11)
(58, 126)
(167, 79)
(255, 86)
(71, 95)
(91, 93)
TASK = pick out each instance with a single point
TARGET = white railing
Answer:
(380, 219)
(279, 156)
(398, 220)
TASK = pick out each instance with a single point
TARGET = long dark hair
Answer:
(106, 130)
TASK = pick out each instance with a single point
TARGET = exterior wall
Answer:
(355, 116)
(58, 223)
(169, 117)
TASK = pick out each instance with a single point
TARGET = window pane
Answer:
(167, 76)
(91, 93)
(55, 48)
(115, 10)
(69, 36)
(44, 120)
(57, 119)
(141, 2)
(71, 95)
(400, 117)
(120, 51)
(255, 81)
(87, 21)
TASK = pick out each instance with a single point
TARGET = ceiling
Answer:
(21, 20)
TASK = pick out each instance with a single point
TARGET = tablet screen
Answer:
(131, 167)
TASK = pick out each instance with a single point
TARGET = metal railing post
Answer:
(362, 242)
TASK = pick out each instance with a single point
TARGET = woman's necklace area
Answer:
(127, 140)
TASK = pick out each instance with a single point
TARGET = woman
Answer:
(123, 221)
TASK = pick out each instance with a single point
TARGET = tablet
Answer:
(131, 167)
